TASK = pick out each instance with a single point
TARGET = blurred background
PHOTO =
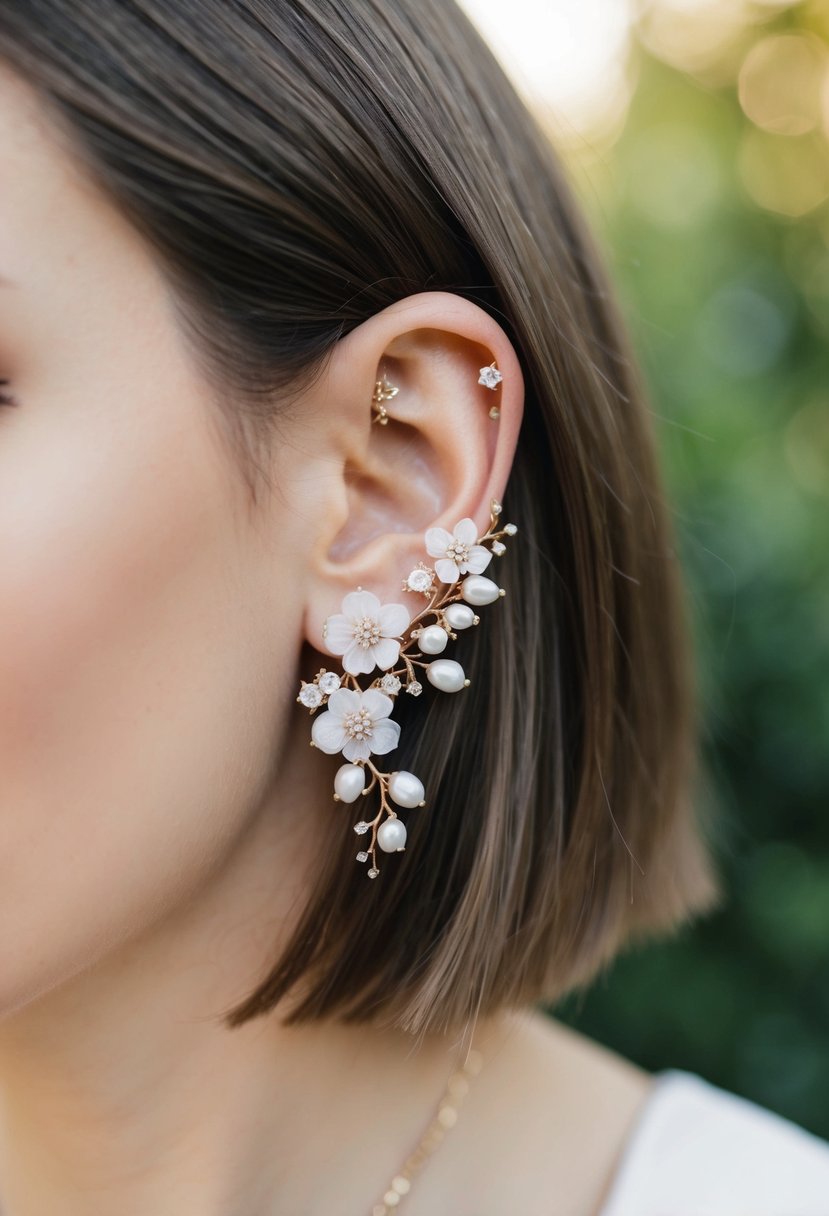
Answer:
(697, 136)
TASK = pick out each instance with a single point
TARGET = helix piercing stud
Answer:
(490, 378)
(383, 391)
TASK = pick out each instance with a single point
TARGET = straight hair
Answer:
(297, 166)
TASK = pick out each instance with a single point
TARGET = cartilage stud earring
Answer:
(489, 376)
(383, 391)
(404, 648)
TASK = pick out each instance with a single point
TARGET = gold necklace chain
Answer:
(457, 1088)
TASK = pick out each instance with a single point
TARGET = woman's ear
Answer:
(436, 445)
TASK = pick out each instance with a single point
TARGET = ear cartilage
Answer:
(357, 720)
(383, 391)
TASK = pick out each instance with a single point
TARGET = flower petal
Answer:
(393, 619)
(358, 660)
(327, 732)
(357, 749)
(343, 701)
(438, 541)
(466, 531)
(358, 604)
(385, 653)
(479, 559)
(377, 704)
(339, 633)
(385, 736)
(446, 571)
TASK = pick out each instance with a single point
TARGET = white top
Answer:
(698, 1150)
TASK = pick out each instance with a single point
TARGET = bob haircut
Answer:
(297, 166)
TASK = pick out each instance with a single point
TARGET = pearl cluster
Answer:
(368, 635)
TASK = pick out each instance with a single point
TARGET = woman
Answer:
(234, 235)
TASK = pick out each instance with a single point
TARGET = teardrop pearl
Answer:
(446, 674)
(479, 590)
(405, 789)
(432, 639)
(391, 835)
(459, 616)
(349, 782)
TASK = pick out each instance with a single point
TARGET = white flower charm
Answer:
(457, 551)
(366, 633)
(356, 724)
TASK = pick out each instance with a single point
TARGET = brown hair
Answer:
(299, 166)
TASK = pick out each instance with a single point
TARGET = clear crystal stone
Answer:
(498, 547)
(310, 696)
(372, 873)
(419, 580)
(329, 682)
(358, 724)
(414, 689)
(496, 507)
(362, 856)
(510, 529)
(390, 684)
(361, 827)
(490, 377)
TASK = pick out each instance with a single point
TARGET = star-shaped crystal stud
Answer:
(490, 377)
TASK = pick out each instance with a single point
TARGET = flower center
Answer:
(366, 632)
(357, 724)
(458, 552)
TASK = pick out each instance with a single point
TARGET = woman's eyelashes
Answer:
(5, 399)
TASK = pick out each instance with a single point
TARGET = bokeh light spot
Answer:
(780, 83)
(787, 175)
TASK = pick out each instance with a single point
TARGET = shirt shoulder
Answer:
(698, 1150)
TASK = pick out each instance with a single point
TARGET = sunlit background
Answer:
(697, 135)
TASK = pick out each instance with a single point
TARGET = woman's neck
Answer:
(122, 1091)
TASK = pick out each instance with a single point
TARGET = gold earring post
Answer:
(383, 391)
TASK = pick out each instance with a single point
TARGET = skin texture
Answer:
(160, 807)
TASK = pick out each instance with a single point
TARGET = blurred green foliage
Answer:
(721, 256)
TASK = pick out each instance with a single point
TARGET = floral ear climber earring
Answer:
(490, 377)
(369, 635)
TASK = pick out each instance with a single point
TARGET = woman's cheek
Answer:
(123, 674)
